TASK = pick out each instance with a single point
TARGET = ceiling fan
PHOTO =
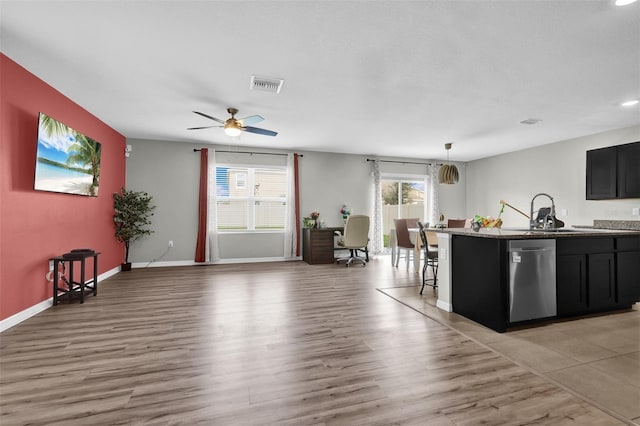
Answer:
(233, 126)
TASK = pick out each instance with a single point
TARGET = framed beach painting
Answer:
(66, 160)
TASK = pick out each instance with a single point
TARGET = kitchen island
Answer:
(595, 271)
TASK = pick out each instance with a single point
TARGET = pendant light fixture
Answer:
(448, 172)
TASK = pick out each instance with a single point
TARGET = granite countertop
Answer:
(520, 234)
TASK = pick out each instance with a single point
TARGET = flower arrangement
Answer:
(314, 215)
(345, 212)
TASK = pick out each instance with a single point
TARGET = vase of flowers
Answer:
(314, 216)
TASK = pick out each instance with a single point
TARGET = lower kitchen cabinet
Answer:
(601, 278)
(595, 275)
(571, 284)
(628, 270)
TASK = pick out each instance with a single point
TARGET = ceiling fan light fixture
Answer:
(448, 173)
(232, 129)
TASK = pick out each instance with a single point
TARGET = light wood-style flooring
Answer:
(266, 344)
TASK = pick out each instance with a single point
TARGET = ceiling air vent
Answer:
(265, 84)
(531, 121)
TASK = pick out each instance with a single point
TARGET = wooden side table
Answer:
(74, 289)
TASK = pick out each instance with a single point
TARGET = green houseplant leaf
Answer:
(131, 217)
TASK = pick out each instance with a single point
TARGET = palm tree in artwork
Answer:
(53, 127)
(85, 151)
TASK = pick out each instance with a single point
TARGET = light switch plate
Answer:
(635, 211)
(564, 212)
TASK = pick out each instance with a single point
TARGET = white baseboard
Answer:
(444, 306)
(164, 264)
(108, 274)
(17, 318)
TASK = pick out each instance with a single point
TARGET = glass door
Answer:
(401, 198)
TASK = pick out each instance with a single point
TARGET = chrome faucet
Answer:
(551, 216)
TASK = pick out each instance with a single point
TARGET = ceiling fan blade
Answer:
(205, 127)
(259, 131)
(209, 117)
(252, 119)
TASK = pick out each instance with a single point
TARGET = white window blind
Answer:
(251, 198)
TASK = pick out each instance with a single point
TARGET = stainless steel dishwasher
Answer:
(532, 279)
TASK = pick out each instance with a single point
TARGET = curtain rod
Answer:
(246, 152)
(405, 162)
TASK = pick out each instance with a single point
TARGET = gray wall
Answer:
(558, 169)
(169, 171)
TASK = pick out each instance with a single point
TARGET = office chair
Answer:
(356, 237)
(430, 245)
(404, 240)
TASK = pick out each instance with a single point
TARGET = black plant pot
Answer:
(125, 266)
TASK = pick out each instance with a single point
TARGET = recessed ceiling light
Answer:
(624, 2)
(630, 103)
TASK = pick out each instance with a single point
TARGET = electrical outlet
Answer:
(51, 265)
(564, 212)
(170, 243)
(635, 211)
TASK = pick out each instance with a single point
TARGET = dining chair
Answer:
(456, 223)
(404, 240)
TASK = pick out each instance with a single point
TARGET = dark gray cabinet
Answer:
(601, 174)
(628, 157)
(628, 270)
(614, 172)
(602, 282)
(571, 284)
(597, 274)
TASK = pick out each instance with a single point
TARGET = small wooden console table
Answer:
(74, 289)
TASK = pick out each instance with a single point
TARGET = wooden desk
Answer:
(317, 245)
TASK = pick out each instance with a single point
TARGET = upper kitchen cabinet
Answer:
(629, 170)
(614, 172)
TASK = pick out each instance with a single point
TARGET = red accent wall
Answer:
(37, 225)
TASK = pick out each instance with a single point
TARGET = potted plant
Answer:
(132, 213)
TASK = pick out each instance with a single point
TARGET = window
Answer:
(251, 198)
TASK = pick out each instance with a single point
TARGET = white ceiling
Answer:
(387, 78)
